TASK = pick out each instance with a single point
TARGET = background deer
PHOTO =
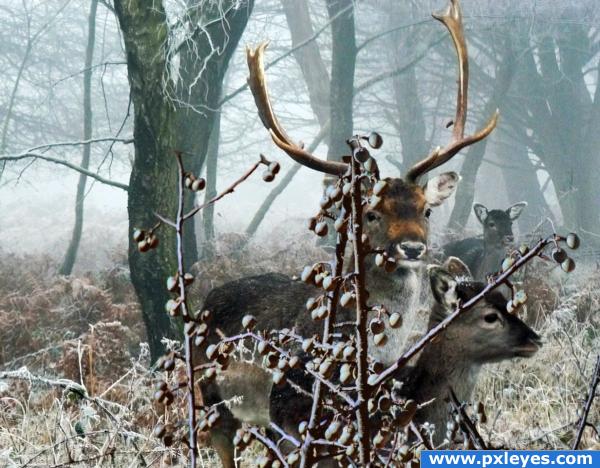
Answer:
(484, 255)
(396, 226)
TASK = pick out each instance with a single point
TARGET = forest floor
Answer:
(76, 384)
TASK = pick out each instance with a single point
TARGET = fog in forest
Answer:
(549, 48)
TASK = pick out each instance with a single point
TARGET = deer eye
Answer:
(372, 216)
(491, 318)
(428, 212)
(492, 224)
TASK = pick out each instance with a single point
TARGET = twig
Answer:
(467, 424)
(317, 396)
(228, 190)
(269, 444)
(188, 342)
(422, 439)
(362, 346)
(125, 141)
(588, 404)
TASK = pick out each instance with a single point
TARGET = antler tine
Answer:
(451, 17)
(258, 85)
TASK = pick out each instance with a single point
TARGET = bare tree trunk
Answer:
(160, 127)
(308, 57)
(71, 254)
(465, 192)
(343, 63)
(207, 250)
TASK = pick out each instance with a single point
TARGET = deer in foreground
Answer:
(485, 334)
(484, 255)
(397, 226)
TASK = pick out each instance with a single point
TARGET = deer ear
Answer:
(481, 212)
(457, 268)
(440, 187)
(443, 287)
(515, 210)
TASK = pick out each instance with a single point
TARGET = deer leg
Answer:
(221, 440)
(221, 436)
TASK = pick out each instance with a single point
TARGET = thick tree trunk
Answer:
(71, 254)
(160, 128)
(153, 176)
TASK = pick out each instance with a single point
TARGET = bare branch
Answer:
(588, 404)
(93, 175)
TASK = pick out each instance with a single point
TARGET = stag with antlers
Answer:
(394, 229)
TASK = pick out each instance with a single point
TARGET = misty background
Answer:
(537, 61)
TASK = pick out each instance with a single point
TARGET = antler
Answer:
(451, 17)
(258, 85)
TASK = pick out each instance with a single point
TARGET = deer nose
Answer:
(411, 250)
(509, 239)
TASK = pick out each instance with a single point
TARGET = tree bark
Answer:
(161, 127)
(71, 254)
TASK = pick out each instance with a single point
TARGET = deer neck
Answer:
(402, 291)
(439, 369)
(493, 254)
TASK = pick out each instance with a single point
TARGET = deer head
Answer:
(497, 224)
(400, 223)
(487, 333)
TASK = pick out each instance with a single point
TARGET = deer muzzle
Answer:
(411, 250)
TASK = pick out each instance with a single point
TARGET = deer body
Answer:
(278, 302)
(484, 255)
